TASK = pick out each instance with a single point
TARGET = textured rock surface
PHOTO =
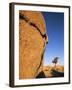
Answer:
(31, 43)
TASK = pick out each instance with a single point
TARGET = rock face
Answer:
(32, 42)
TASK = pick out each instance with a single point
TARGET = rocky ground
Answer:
(51, 71)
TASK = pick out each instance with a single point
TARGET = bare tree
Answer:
(55, 60)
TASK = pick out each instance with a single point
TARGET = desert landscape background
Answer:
(53, 71)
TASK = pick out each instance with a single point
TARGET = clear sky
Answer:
(55, 32)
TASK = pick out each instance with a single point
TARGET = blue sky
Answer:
(55, 32)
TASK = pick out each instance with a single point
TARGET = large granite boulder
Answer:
(32, 42)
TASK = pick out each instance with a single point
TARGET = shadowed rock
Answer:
(41, 75)
(57, 73)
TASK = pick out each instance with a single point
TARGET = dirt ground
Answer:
(48, 70)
